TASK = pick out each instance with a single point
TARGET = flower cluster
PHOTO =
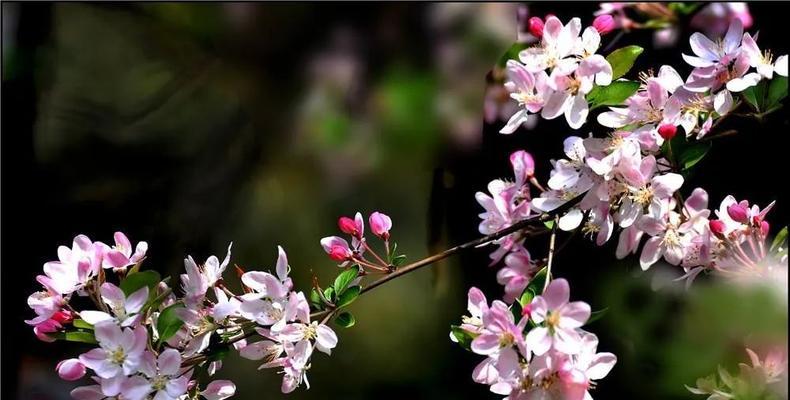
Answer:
(539, 352)
(554, 77)
(151, 342)
(338, 249)
(764, 378)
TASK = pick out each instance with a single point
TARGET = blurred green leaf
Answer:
(623, 59)
(683, 8)
(345, 278)
(777, 91)
(329, 294)
(75, 336)
(138, 280)
(613, 95)
(315, 299)
(398, 260)
(511, 54)
(169, 322)
(596, 315)
(348, 296)
(780, 238)
(464, 338)
(80, 323)
(345, 319)
(693, 154)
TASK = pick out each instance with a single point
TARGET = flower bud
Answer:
(339, 253)
(49, 326)
(739, 213)
(523, 165)
(604, 24)
(219, 390)
(71, 369)
(348, 226)
(536, 27)
(63, 316)
(716, 226)
(765, 228)
(667, 131)
(380, 224)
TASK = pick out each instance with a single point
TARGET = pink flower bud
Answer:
(71, 369)
(765, 228)
(219, 390)
(348, 226)
(667, 131)
(536, 27)
(604, 24)
(49, 326)
(380, 224)
(739, 213)
(716, 226)
(527, 311)
(339, 253)
(63, 316)
(523, 166)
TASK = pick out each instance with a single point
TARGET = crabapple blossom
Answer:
(499, 331)
(120, 256)
(219, 390)
(71, 369)
(604, 24)
(120, 352)
(380, 224)
(124, 309)
(354, 227)
(558, 320)
(337, 248)
(518, 271)
(160, 377)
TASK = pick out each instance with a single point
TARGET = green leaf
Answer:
(398, 261)
(315, 298)
(393, 251)
(516, 310)
(75, 336)
(549, 224)
(777, 91)
(169, 322)
(511, 53)
(613, 95)
(348, 296)
(538, 282)
(329, 294)
(80, 323)
(345, 319)
(683, 8)
(526, 298)
(464, 338)
(750, 96)
(623, 59)
(780, 238)
(345, 278)
(138, 280)
(218, 353)
(596, 315)
(693, 154)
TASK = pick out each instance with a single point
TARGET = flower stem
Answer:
(552, 240)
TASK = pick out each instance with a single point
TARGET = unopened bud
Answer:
(667, 131)
(717, 227)
(348, 226)
(71, 369)
(738, 213)
(604, 24)
(536, 27)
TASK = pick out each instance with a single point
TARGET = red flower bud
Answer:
(667, 131)
(63, 317)
(348, 226)
(739, 213)
(765, 228)
(536, 27)
(339, 253)
(716, 226)
(604, 24)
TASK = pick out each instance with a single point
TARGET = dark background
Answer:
(190, 125)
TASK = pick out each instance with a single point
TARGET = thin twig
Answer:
(551, 251)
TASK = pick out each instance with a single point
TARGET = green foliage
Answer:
(511, 53)
(169, 322)
(81, 336)
(684, 8)
(766, 96)
(345, 320)
(464, 338)
(138, 280)
(80, 323)
(613, 95)
(777, 91)
(596, 315)
(348, 296)
(685, 154)
(345, 278)
(780, 239)
(622, 60)
(534, 288)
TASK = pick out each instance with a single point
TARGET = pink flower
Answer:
(43, 328)
(45, 304)
(160, 377)
(125, 309)
(337, 248)
(76, 266)
(523, 166)
(515, 276)
(604, 24)
(499, 331)
(558, 320)
(120, 256)
(529, 89)
(772, 367)
(668, 238)
(354, 227)
(71, 369)
(594, 365)
(713, 60)
(325, 338)
(120, 351)
(715, 18)
(219, 390)
(667, 131)
(380, 224)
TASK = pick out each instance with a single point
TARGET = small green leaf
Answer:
(75, 336)
(345, 278)
(683, 8)
(329, 294)
(169, 322)
(393, 251)
(464, 338)
(777, 91)
(549, 224)
(80, 323)
(345, 319)
(348, 296)
(516, 309)
(315, 298)
(596, 315)
(613, 95)
(398, 261)
(526, 298)
(511, 53)
(138, 280)
(750, 96)
(623, 59)
(780, 238)
(218, 353)
(693, 154)
(537, 283)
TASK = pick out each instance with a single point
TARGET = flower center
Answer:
(506, 339)
(643, 196)
(671, 237)
(159, 383)
(525, 98)
(118, 356)
(553, 319)
(573, 86)
(310, 331)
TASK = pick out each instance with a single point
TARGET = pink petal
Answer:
(557, 294)
(485, 344)
(538, 340)
(574, 315)
(650, 252)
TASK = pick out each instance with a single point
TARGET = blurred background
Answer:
(192, 125)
